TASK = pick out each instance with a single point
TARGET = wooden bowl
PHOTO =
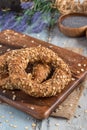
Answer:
(72, 31)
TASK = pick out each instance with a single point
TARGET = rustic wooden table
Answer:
(11, 118)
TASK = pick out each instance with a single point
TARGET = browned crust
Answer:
(17, 61)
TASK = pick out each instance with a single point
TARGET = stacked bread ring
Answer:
(49, 74)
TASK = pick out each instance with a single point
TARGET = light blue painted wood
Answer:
(10, 116)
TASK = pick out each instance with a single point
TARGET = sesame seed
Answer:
(39, 45)
(11, 125)
(14, 97)
(26, 127)
(10, 112)
(84, 65)
(15, 33)
(32, 108)
(13, 92)
(79, 64)
(50, 46)
(2, 116)
(82, 70)
(56, 124)
(24, 35)
(32, 41)
(4, 91)
(6, 121)
(73, 79)
(78, 72)
(14, 126)
(71, 105)
(33, 125)
(0, 45)
(8, 49)
(49, 39)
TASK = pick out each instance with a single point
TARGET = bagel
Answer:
(17, 62)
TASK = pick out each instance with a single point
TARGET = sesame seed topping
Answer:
(0, 45)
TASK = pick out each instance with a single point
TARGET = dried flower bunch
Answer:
(35, 16)
(70, 6)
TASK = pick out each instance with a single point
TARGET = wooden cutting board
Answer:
(40, 108)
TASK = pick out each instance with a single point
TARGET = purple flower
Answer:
(21, 28)
(26, 5)
(35, 17)
(41, 25)
(9, 23)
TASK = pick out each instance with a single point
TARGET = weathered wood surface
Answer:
(10, 117)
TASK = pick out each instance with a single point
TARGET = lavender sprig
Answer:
(38, 28)
(26, 5)
(35, 17)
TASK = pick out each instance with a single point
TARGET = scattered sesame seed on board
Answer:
(84, 65)
(26, 127)
(82, 70)
(50, 46)
(79, 64)
(33, 125)
(6, 121)
(78, 72)
(32, 108)
(57, 124)
(32, 41)
(8, 49)
(4, 91)
(14, 97)
(10, 112)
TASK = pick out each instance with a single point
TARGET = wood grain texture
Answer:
(42, 106)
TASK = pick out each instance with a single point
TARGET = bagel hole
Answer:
(29, 69)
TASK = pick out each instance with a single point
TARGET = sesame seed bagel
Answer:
(18, 60)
